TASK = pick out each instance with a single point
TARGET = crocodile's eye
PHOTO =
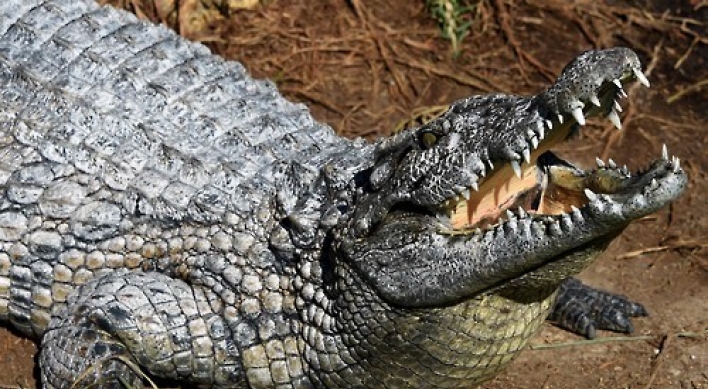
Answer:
(428, 140)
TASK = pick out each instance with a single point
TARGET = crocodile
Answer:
(163, 215)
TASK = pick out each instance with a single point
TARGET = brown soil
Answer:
(364, 66)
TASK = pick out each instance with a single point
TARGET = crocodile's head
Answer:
(476, 199)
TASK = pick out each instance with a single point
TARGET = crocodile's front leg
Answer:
(120, 327)
(584, 309)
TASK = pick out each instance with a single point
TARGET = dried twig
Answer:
(521, 54)
(587, 342)
(383, 48)
(658, 249)
(656, 363)
(689, 89)
(613, 339)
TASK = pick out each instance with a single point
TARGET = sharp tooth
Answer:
(612, 163)
(491, 165)
(475, 186)
(640, 77)
(595, 100)
(566, 221)
(466, 194)
(600, 163)
(620, 89)
(527, 155)
(534, 142)
(509, 215)
(578, 115)
(541, 132)
(614, 118)
(512, 224)
(517, 168)
(625, 170)
(549, 124)
(481, 168)
(539, 229)
(617, 105)
(560, 118)
(540, 122)
(521, 212)
(654, 184)
(677, 164)
(590, 194)
(664, 152)
(577, 215)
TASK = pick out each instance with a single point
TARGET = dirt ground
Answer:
(364, 66)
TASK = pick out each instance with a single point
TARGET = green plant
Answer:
(454, 19)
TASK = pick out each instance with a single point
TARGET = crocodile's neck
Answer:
(363, 336)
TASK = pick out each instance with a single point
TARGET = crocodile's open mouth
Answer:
(544, 184)
(550, 186)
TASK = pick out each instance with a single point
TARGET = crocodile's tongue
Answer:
(549, 186)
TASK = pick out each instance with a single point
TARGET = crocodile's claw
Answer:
(584, 310)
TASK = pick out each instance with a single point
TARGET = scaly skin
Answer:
(162, 212)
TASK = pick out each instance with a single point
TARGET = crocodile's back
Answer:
(93, 89)
(120, 142)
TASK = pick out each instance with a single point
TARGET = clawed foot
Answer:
(583, 310)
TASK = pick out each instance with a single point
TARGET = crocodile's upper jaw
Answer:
(532, 180)
(542, 183)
